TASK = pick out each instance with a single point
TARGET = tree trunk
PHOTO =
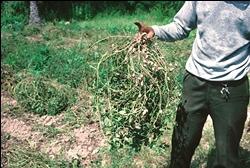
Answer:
(34, 14)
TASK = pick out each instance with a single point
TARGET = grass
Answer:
(60, 52)
(25, 157)
(17, 154)
(126, 157)
(115, 23)
(49, 131)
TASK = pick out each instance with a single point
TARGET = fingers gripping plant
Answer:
(135, 91)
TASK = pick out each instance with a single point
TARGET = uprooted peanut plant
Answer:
(134, 92)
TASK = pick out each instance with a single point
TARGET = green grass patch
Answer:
(20, 54)
(69, 66)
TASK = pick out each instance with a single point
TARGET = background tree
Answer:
(34, 18)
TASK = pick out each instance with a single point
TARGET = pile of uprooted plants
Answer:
(133, 91)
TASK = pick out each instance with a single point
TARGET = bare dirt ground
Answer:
(80, 143)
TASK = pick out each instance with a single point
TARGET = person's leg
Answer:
(229, 115)
(190, 118)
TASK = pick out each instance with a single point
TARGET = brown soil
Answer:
(80, 143)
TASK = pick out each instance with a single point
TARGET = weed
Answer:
(24, 157)
(41, 95)
(49, 131)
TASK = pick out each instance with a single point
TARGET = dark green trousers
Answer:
(226, 103)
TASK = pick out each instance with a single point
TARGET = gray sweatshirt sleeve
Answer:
(183, 22)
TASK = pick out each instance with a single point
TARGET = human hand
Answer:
(144, 29)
